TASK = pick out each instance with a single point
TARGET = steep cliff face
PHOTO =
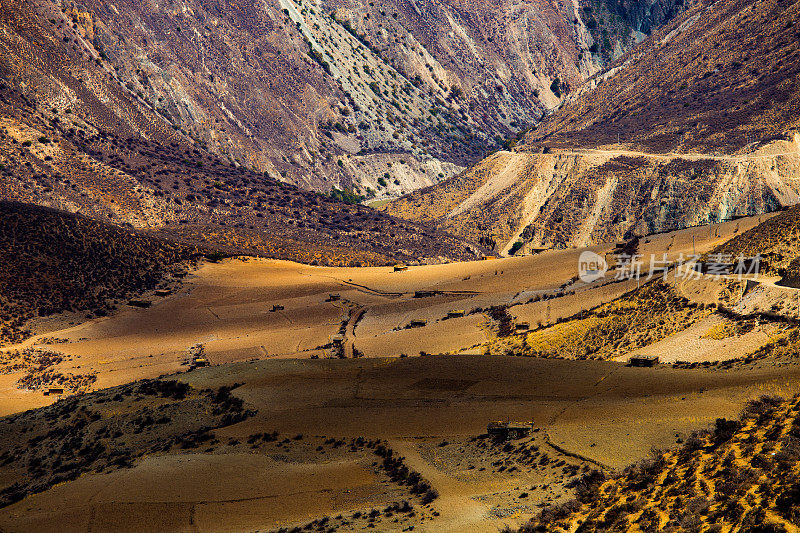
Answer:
(719, 78)
(643, 16)
(581, 197)
(614, 26)
(310, 91)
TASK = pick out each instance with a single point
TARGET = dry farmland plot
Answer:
(429, 410)
(228, 307)
(329, 414)
(255, 308)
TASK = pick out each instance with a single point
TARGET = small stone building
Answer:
(508, 430)
(643, 360)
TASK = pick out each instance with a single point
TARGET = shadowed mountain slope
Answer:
(51, 261)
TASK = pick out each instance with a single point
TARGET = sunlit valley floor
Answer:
(359, 397)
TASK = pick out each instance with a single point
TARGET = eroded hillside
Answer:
(127, 173)
(579, 197)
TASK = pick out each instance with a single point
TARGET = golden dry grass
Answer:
(635, 320)
(737, 476)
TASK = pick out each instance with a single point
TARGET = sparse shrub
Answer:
(555, 87)
(429, 496)
(724, 430)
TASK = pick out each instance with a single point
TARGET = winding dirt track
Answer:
(675, 155)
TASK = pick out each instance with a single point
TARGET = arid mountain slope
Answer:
(579, 197)
(104, 154)
(319, 92)
(192, 117)
(59, 160)
(777, 241)
(719, 78)
(741, 156)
